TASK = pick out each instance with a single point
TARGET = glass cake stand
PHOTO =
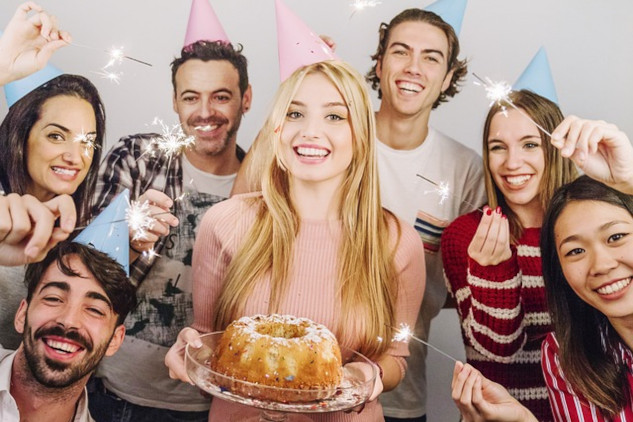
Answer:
(352, 391)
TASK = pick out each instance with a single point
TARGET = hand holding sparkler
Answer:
(599, 149)
(28, 42)
(491, 242)
(479, 399)
(145, 228)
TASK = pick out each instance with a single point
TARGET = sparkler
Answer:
(116, 56)
(111, 76)
(172, 140)
(139, 219)
(404, 334)
(359, 5)
(444, 191)
(499, 92)
(88, 141)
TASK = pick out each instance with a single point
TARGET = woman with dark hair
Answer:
(492, 259)
(587, 249)
(50, 148)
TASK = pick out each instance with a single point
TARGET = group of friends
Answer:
(326, 218)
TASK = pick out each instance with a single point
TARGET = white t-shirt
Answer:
(443, 161)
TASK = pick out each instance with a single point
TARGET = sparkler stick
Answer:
(443, 189)
(404, 334)
(500, 91)
(121, 220)
(116, 54)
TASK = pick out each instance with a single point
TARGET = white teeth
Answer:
(518, 180)
(68, 172)
(615, 287)
(311, 152)
(206, 128)
(62, 346)
(407, 86)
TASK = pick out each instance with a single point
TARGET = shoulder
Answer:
(447, 143)
(463, 226)
(238, 208)
(549, 350)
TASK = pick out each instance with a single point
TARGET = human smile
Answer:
(518, 180)
(207, 128)
(65, 172)
(61, 347)
(311, 152)
(614, 286)
(409, 87)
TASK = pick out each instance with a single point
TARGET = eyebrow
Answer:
(603, 227)
(192, 91)
(66, 130)
(408, 47)
(330, 104)
(65, 287)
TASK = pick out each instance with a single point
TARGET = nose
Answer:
(206, 110)
(69, 317)
(311, 128)
(514, 159)
(602, 261)
(413, 65)
(74, 152)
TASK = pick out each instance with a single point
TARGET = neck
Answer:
(398, 131)
(316, 201)
(37, 402)
(221, 164)
(530, 215)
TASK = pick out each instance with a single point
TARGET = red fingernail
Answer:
(488, 211)
(498, 210)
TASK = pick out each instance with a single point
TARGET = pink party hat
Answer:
(298, 45)
(203, 24)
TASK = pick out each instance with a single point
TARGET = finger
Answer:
(66, 37)
(456, 370)
(157, 198)
(20, 221)
(572, 137)
(560, 133)
(489, 246)
(63, 206)
(25, 8)
(478, 399)
(479, 239)
(190, 336)
(5, 218)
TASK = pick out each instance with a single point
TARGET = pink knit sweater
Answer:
(312, 288)
(503, 311)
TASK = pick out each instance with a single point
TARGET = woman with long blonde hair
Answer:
(315, 242)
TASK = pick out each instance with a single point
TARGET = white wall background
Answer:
(588, 43)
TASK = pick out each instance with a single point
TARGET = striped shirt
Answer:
(502, 310)
(567, 405)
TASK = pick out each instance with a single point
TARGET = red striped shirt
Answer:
(567, 405)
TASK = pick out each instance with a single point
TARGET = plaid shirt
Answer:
(130, 165)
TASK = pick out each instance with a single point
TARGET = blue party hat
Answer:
(537, 77)
(451, 11)
(15, 90)
(109, 232)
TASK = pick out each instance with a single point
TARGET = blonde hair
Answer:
(558, 170)
(368, 282)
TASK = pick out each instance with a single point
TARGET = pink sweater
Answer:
(503, 311)
(312, 288)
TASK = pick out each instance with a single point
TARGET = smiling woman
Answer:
(50, 145)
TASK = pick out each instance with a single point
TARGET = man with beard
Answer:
(211, 92)
(73, 315)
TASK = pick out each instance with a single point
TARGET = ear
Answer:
(20, 317)
(447, 80)
(116, 341)
(247, 98)
(379, 67)
(174, 103)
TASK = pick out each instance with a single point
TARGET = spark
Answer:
(359, 5)
(139, 219)
(151, 254)
(116, 56)
(111, 76)
(499, 92)
(87, 140)
(172, 140)
(404, 334)
(443, 189)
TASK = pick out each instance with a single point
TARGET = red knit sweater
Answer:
(502, 310)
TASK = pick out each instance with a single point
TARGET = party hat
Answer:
(203, 24)
(451, 11)
(15, 90)
(109, 232)
(298, 45)
(537, 77)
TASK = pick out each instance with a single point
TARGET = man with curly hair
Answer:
(416, 68)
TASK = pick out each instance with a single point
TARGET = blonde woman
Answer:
(315, 242)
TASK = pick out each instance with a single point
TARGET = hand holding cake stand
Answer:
(352, 391)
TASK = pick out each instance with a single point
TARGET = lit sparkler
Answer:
(499, 92)
(88, 141)
(111, 76)
(139, 219)
(443, 189)
(359, 5)
(405, 334)
(172, 140)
